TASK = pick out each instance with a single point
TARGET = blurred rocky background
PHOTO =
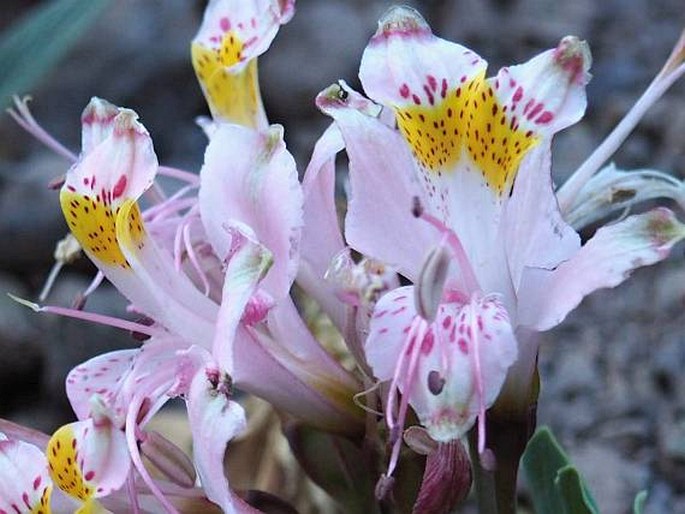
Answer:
(613, 381)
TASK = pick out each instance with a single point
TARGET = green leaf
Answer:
(556, 486)
(639, 503)
(575, 496)
(34, 45)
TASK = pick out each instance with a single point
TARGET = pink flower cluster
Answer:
(455, 250)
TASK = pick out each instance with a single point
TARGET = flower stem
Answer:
(507, 431)
(483, 480)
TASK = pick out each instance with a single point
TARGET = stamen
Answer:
(50, 281)
(22, 115)
(182, 175)
(67, 251)
(101, 319)
(171, 205)
(131, 426)
(95, 283)
(364, 406)
(193, 258)
(470, 281)
(421, 329)
(479, 380)
(178, 252)
(392, 394)
(131, 491)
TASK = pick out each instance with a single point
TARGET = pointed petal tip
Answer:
(335, 95)
(126, 121)
(340, 96)
(98, 110)
(401, 20)
(573, 55)
(664, 228)
(287, 8)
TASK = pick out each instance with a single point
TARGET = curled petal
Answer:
(88, 459)
(214, 420)
(119, 167)
(606, 260)
(224, 51)
(383, 189)
(118, 377)
(25, 484)
(99, 203)
(249, 180)
(246, 267)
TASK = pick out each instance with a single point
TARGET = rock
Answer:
(30, 218)
(22, 360)
(613, 479)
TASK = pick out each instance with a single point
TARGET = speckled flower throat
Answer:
(444, 123)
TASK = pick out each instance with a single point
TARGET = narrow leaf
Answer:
(541, 460)
(575, 496)
(639, 503)
(556, 486)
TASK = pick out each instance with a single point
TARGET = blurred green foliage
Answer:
(32, 46)
(555, 484)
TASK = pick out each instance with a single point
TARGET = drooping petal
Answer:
(535, 234)
(456, 370)
(249, 179)
(214, 420)
(321, 236)
(606, 260)
(25, 484)
(446, 479)
(247, 265)
(224, 51)
(87, 459)
(383, 189)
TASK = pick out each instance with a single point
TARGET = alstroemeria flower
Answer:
(225, 50)
(25, 484)
(88, 460)
(85, 460)
(468, 171)
(256, 173)
(99, 201)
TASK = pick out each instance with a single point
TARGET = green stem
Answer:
(483, 480)
(509, 426)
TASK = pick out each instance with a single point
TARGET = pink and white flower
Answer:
(466, 171)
